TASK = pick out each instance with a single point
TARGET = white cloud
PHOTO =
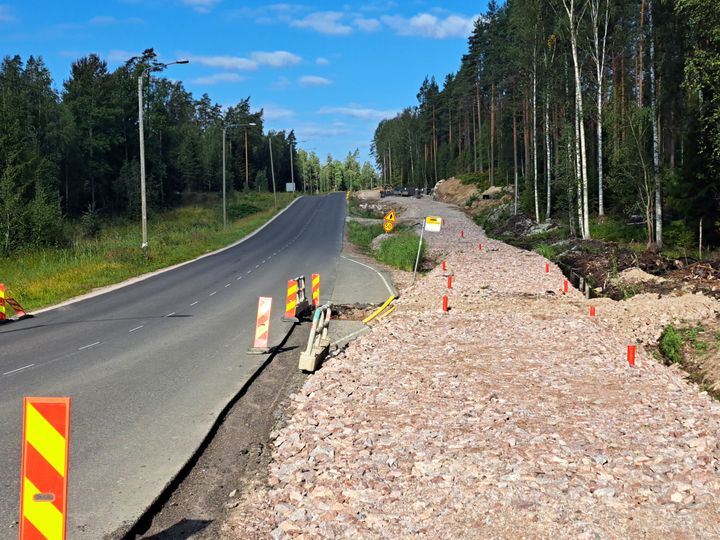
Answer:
(367, 25)
(312, 80)
(271, 112)
(315, 130)
(6, 14)
(276, 58)
(280, 83)
(225, 62)
(102, 20)
(219, 78)
(201, 6)
(321, 61)
(431, 26)
(119, 55)
(359, 112)
(324, 22)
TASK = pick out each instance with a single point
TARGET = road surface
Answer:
(150, 366)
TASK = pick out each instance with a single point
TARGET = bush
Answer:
(400, 251)
(241, 210)
(614, 230)
(482, 180)
(90, 222)
(679, 235)
(671, 344)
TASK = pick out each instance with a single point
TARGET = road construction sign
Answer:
(390, 216)
(433, 223)
(388, 226)
(44, 478)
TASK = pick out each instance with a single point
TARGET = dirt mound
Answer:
(455, 192)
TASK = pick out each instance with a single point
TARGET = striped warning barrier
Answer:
(262, 326)
(296, 302)
(316, 290)
(44, 480)
(5, 301)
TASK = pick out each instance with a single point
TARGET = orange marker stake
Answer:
(547, 267)
(631, 355)
(444, 266)
(445, 304)
(480, 246)
(449, 282)
(592, 311)
(566, 286)
(462, 234)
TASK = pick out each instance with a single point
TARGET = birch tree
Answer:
(599, 47)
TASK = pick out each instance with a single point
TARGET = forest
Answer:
(72, 154)
(584, 110)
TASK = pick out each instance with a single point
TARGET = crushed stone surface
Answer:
(514, 415)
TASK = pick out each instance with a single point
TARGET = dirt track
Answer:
(514, 415)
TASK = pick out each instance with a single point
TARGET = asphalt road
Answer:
(150, 366)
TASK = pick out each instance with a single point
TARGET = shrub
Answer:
(671, 344)
(680, 235)
(90, 222)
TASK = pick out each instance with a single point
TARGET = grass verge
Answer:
(398, 251)
(43, 277)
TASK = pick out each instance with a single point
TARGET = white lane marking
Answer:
(249, 271)
(238, 278)
(213, 293)
(136, 328)
(257, 266)
(88, 346)
(196, 302)
(18, 369)
(264, 261)
(170, 314)
(226, 286)
(371, 268)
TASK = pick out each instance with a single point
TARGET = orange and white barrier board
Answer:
(44, 480)
(291, 301)
(5, 301)
(296, 302)
(2, 303)
(262, 326)
(316, 290)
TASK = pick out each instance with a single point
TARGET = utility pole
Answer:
(272, 168)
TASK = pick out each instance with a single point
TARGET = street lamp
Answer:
(223, 165)
(292, 169)
(143, 196)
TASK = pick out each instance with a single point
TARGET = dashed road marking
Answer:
(196, 302)
(18, 369)
(88, 346)
(136, 328)
(213, 293)
(170, 314)
(257, 266)
(238, 278)
(249, 271)
(226, 286)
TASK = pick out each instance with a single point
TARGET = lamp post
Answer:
(272, 167)
(225, 127)
(143, 196)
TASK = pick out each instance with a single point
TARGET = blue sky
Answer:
(329, 70)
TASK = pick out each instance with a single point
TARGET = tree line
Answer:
(586, 109)
(74, 152)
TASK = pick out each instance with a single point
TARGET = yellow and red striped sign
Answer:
(316, 290)
(44, 480)
(2, 302)
(291, 302)
(262, 327)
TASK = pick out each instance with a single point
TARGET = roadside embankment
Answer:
(515, 414)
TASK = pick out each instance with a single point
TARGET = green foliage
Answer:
(482, 180)
(616, 230)
(474, 197)
(679, 235)
(547, 251)
(671, 344)
(400, 250)
(90, 222)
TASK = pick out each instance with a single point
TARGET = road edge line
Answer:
(137, 279)
(391, 288)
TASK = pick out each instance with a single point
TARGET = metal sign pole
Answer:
(417, 259)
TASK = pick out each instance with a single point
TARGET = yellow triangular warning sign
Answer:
(390, 216)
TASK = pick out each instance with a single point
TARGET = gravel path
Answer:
(514, 415)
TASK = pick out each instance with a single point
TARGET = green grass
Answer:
(42, 277)
(614, 230)
(400, 251)
(363, 235)
(547, 251)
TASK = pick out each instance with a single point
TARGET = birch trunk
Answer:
(515, 159)
(599, 54)
(534, 137)
(548, 168)
(656, 134)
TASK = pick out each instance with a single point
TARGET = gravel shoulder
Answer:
(513, 415)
